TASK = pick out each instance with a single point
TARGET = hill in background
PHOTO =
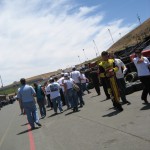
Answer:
(132, 38)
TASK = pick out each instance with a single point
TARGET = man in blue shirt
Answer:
(40, 99)
(26, 95)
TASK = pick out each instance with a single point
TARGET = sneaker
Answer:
(89, 92)
(38, 124)
(146, 102)
(76, 109)
(107, 98)
(43, 116)
(81, 106)
(127, 102)
(32, 128)
(120, 109)
(118, 106)
(83, 103)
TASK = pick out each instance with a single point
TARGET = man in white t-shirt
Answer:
(70, 93)
(54, 89)
(75, 75)
(143, 68)
(63, 98)
(120, 77)
(84, 81)
(47, 93)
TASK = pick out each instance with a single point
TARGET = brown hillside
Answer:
(132, 38)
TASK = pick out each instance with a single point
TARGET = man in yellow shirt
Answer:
(108, 69)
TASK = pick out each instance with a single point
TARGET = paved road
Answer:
(97, 126)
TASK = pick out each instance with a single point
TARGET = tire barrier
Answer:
(138, 86)
(131, 77)
(133, 87)
(131, 67)
(90, 85)
(129, 89)
(6, 102)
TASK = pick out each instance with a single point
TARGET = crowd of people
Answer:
(70, 87)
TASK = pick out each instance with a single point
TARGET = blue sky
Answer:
(40, 36)
(117, 9)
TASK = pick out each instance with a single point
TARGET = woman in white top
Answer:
(143, 68)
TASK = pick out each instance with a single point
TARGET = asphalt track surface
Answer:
(97, 126)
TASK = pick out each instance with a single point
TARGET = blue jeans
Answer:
(79, 93)
(84, 87)
(67, 100)
(56, 101)
(72, 98)
(41, 103)
(31, 112)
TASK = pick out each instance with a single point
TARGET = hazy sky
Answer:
(39, 36)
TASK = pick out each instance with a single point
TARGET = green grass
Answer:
(8, 91)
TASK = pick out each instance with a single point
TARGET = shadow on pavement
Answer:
(94, 96)
(25, 124)
(146, 107)
(26, 131)
(112, 108)
(104, 100)
(49, 109)
(52, 115)
(71, 113)
(112, 114)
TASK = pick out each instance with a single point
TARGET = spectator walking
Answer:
(40, 99)
(26, 95)
(70, 93)
(84, 81)
(75, 75)
(143, 68)
(54, 89)
(47, 92)
(63, 98)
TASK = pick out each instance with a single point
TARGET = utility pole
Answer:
(85, 54)
(1, 80)
(120, 35)
(139, 19)
(95, 51)
(111, 36)
(96, 47)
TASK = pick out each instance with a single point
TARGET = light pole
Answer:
(95, 51)
(139, 19)
(120, 35)
(85, 55)
(1, 80)
(111, 36)
(96, 48)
